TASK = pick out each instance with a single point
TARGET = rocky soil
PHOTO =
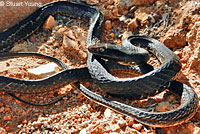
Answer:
(176, 23)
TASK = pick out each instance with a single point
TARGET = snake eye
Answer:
(101, 49)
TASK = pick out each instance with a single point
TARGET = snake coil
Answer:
(156, 79)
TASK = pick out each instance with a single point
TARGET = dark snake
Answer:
(95, 70)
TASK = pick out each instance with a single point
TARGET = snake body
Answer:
(164, 73)
(183, 113)
(143, 86)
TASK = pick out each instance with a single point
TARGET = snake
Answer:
(95, 70)
(134, 87)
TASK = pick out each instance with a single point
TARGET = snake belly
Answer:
(92, 15)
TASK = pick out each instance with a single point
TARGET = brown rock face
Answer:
(184, 17)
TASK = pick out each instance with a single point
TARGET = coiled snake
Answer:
(141, 87)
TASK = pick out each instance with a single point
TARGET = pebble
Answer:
(111, 35)
(9, 127)
(84, 108)
(108, 25)
(130, 121)
(70, 34)
(70, 44)
(115, 12)
(107, 113)
(133, 24)
(122, 18)
(115, 128)
(132, 131)
(83, 131)
(44, 70)
(137, 126)
(7, 118)
(6, 109)
(50, 23)
(121, 123)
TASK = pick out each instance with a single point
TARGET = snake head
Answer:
(116, 52)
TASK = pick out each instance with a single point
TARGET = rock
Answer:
(175, 37)
(107, 113)
(83, 131)
(142, 2)
(190, 55)
(132, 25)
(115, 128)
(122, 18)
(7, 118)
(142, 15)
(2, 131)
(108, 25)
(121, 122)
(70, 44)
(137, 126)
(49, 23)
(44, 70)
(130, 121)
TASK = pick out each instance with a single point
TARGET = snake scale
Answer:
(135, 88)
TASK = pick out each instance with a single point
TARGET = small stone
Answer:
(129, 120)
(190, 26)
(37, 123)
(108, 25)
(133, 24)
(107, 113)
(137, 126)
(1, 109)
(44, 70)
(84, 108)
(2, 131)
(70, 44)
(115, 128)
(83, 131)
(25, 122)
(62, 30)
(115, 12)
(122, 18)
(6, 109)
(121, 123)
(111, 35)
(32, 39)
(49, 23)
(9, 127)
(70, 34)
(7, 118)
(1, 104)
(83, 56)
